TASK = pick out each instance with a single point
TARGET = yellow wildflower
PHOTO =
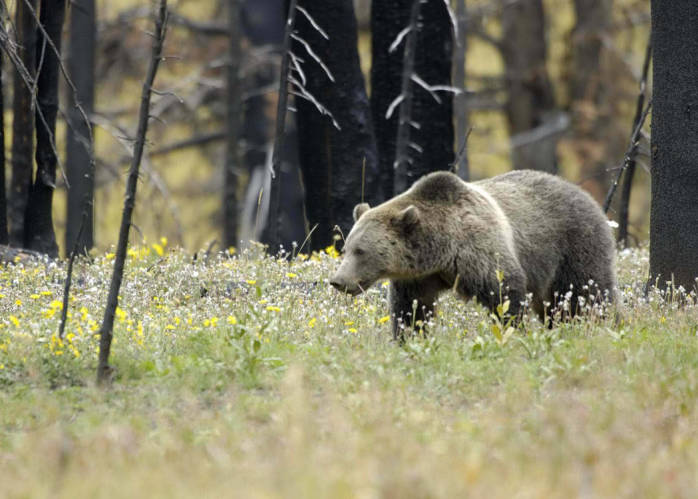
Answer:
(383, 320)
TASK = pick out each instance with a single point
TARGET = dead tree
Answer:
(462, 168)
(104, 370)
(335, 131)
(23, 120)
(79, 147)
(674, 211)
(431, 133)
(530, 109)
(233, 106)
(280, 125)
(39, 233)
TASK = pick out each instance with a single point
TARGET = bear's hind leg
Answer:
(408, 296)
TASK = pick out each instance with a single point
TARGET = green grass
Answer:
(250, 377)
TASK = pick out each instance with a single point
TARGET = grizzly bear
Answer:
(545, 235)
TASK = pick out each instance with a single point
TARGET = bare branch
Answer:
(312, 21)
(313, 55)
(393, 105)
(425, 86)
(398, 39)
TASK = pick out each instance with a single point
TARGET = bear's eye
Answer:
(359, 251)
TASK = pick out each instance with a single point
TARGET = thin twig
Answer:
(629, 154)
(630, 171)
(69, 272)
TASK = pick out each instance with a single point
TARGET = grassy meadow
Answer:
(250, 377)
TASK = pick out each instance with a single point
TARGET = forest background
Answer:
(181, 196)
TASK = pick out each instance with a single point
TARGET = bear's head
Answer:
(382, 244)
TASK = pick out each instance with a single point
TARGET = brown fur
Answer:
(545, 234)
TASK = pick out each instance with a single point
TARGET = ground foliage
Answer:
(249, 375)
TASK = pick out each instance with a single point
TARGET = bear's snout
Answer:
(345, 286)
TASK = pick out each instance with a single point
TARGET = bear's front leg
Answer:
(409, 296)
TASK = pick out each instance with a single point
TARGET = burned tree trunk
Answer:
(432, 136)
(106, 330)
(462, 168)
(39, 234)
(333, 148)
(530, 109)
(79, 147)
(22, 122)
(233, 124)
(674, 211)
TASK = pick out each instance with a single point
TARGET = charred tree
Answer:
(39, 234)
(79, 147)
(22, 122)
(104, 370)
(337, 151)
(233, 118)
(431, 136)
(674, 211)
(461, 167)
(530, 109)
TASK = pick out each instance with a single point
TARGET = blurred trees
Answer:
(22, 121)
(580, 56)
(39, 233)
(674, 216)
(530, 108)
(233, 124)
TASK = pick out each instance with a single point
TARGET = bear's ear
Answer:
(359, 210)
(409, 217)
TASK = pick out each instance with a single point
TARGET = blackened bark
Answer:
(332, 160)
(280, 125)
(462, 167)
(106, 330)
(39, 234)
(531, 100)
(674, 211)
(22, 123)
(433, 65)
(404, 150)
(79, 147)
(4, 237)
(233, 104)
